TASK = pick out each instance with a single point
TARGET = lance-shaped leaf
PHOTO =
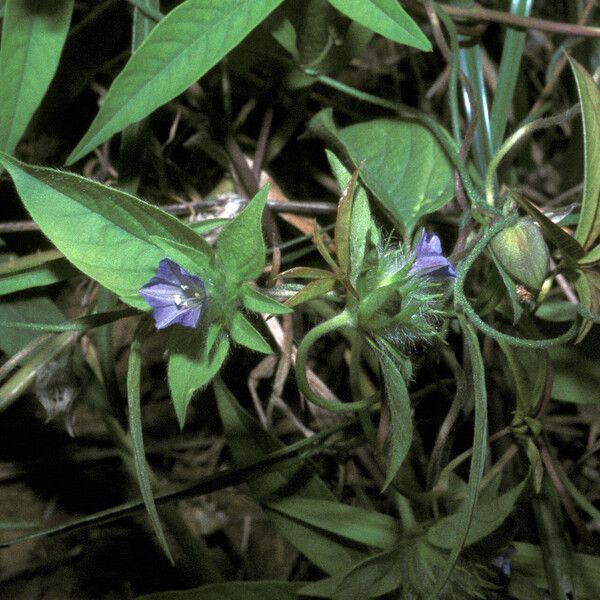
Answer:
(33, 35)
(387, 18)
(195, 358)
(248, 441)
(257, 302)
(244, 333)
(400, 415)
(106, 233)
(588, 227)
(182, 47)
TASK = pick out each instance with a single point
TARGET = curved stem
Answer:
(344, 319)
(461, 301)
(516, 137)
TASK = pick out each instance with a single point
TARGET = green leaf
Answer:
(104, 232)
(350, 522)
(248, 443)
(361, 222)
(195, 358)
(487, 517)
(592, 257)
(240, 245)
(529, 369)
(342, 235)
(387, 18)
(528, 561)
(134, 372)
(588, 227)
(315, 289)
(400, 415)
(182, 47)
(575, 376)
(588, 297)
(404, 165)
(234, 590)
(372, 577)
(33, 35)
(259, 303)
(244, 333)
(510, 67)
(193, 260)
(467, 509)
(143, 25)
(47, 274)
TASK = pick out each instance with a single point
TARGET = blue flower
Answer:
(175, 296)
(429, 259)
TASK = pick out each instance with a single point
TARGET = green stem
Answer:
(516, 137)
(344, 319)
(461, 301)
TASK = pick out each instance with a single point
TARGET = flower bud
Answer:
(523, 253)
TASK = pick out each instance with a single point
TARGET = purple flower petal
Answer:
(175, 295)
(429, 259)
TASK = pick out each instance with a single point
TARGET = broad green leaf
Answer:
(197, 262)
(195, 358)
(104, 232)
(528, 561)
(244, 333)
(404, 165)
(350, 522)
(575, 375)
(487, 517)
(387, 18)
(234, 590)
(259, 303)
(240, 245)
(400, 416)
(33, 35)
(182, 47)
(588, 227)
(134, 372)
(248, 443)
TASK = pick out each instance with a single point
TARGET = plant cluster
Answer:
(430, 337)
